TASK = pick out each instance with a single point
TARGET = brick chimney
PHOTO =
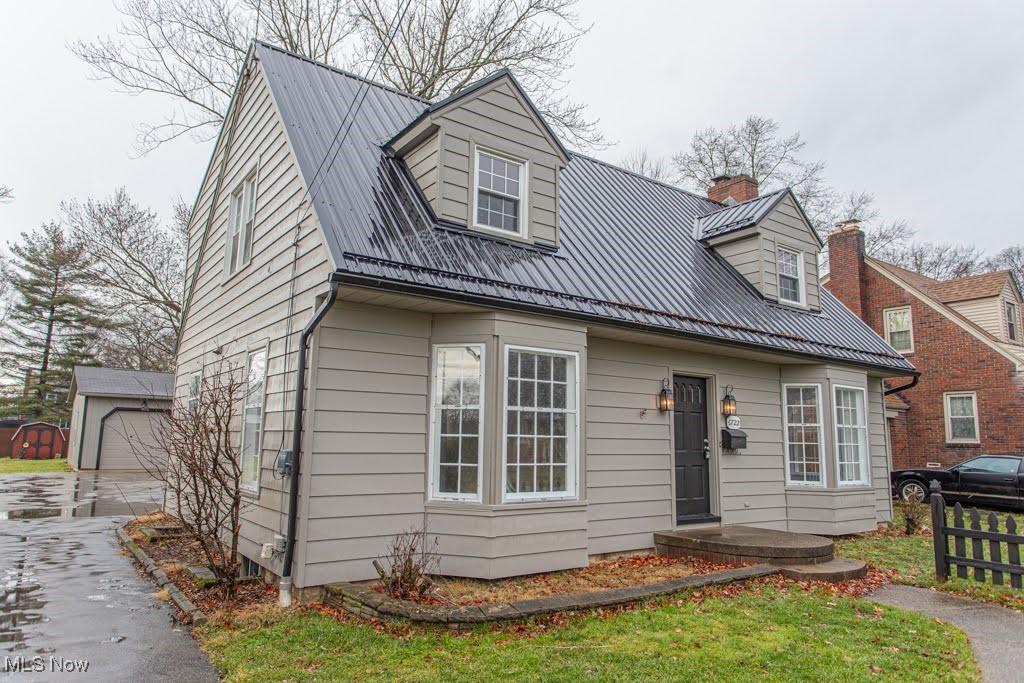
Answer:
(739, 188)
(846, 264)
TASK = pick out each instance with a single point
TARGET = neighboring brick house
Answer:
(963, 335)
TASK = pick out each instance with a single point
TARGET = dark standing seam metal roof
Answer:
(627, 253)
(737, 216)
(93, 381)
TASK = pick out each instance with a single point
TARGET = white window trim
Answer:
(822, 460)
(946, 416)
(572, 459)
(239, 192)
(189, 398)
(885, 323)
(524, 193)
(801, 276)
(433, 457)
(248, 487)
(1012, 320)
(866, 456)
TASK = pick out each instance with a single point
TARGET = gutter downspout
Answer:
(910, 385)
(285, 586)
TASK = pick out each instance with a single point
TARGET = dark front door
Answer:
(692, 467)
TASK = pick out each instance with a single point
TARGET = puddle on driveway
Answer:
(82, 494)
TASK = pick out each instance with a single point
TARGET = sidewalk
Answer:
(996, 633)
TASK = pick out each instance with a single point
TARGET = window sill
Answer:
(453, 506)
(842, 488)
(235, 275)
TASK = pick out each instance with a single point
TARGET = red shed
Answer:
(38, 441)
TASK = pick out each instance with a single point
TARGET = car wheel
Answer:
(913, 490)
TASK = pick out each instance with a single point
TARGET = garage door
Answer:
(126, 435)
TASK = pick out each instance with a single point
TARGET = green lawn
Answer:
(764, 634)
(11, 466)
(913, 561)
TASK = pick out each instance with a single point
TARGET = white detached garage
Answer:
(113, 412)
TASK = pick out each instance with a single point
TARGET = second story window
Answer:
(791, 276)
(1011, 321)
(500, 188)
(241, 216)
(899, 329)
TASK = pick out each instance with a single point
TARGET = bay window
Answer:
(540, 424)
(851, 433)
(803, 434)
(456, 422)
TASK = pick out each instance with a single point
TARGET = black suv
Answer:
(996, 480)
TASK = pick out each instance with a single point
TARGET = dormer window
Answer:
(1011, 321)
(791, 276)
(499, 190)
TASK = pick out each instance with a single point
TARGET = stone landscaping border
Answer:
(194, 614)
(362, 600)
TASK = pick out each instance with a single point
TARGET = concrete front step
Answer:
(744, 544)
(836, 570)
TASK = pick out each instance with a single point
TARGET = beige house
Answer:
(537, 356)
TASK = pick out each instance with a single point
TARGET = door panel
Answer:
(989, 476)
(692, 466)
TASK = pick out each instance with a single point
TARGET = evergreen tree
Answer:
(53, 324)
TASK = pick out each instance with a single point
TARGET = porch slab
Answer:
(745, 544)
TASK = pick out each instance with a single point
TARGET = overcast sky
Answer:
(917, 102)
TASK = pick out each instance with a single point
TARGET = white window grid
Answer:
(540, 424)
(241, 217)
(961, 410)
(851, 434)
(499, 192)
(899, 328)
(804, 434)
(790, 271)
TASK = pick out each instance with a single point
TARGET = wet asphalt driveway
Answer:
(68, 593)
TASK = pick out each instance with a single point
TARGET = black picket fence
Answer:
(986, 545)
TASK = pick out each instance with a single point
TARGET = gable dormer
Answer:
(486, 160)
(767, 239)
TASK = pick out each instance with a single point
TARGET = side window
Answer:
(195, 382)
(252, 418)
(961, 409)
(899, 330)
(790, 268)
(851, 436)
(1012, 322)
(803, 434)
(990, 465)
(456, 446)
(241, 217)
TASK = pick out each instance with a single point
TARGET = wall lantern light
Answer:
(665, 399)
(729, 402)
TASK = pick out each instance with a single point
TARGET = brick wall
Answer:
(950, 359)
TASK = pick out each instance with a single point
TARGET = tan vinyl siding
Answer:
(423, 164)
(987, 313)
(785, 226)
(745, 256)
(495, 118)
(78, 410)
(251, 309)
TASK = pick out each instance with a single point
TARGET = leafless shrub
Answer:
(915, 514)
(406, 567)
(200, 464)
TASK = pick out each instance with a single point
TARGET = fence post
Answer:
(939, 531)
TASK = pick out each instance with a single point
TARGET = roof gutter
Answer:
(910, 385)
(360, 280)
(285, 586)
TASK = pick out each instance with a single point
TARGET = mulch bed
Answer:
(600, 575)
(174, 553)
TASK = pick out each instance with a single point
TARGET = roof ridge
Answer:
(341, 71)
(641, 176)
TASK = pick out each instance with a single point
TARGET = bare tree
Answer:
(194, 454)
(191, 51)
(880, 236)
(137, 265)
(1011, 259)
(640, 161)
(758, 149)
(6, 193)
(444, 45)
(937, 260)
